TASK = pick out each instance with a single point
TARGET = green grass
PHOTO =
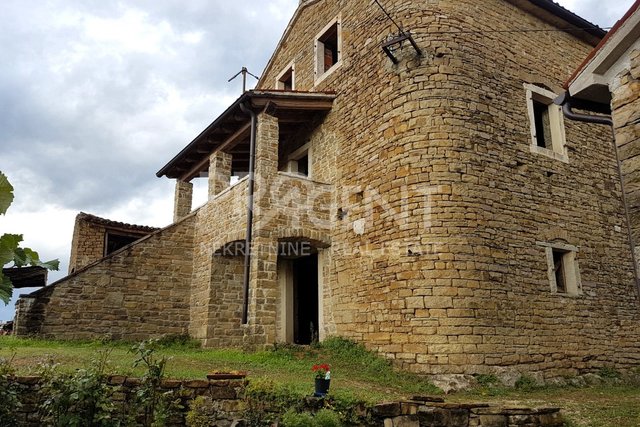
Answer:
(595, 406)
(356, 375)
(356, 372)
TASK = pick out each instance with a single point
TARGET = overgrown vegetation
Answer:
(81, 399)
(8, 394)
(282, 378)
(157, 406)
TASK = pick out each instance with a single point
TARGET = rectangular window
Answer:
(328, 49)
(546, 122)
(286, 79)
(562, 268)
(299, 161)
(559, 270)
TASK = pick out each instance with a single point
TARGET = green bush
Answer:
(609, 373)
(323, 418)
(81, 399)
(526, 382)
(327, 418)
(9, 401)
(292, 418)
(486, 380)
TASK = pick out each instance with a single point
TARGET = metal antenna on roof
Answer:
(244, 73)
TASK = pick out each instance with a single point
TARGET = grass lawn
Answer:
(356, 373)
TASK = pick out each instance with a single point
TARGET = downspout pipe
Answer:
(248, 239)
(568, 103)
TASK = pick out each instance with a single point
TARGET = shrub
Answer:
(486, 380)
(327, 418)
(8, 394)
(609, 373)
(81, 399)
(526, 382)
(292, 418)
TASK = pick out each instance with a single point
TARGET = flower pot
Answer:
(322, 387)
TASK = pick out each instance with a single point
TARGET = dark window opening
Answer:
(305, 299)
(558, 270)
(543, 124)
(286, 81)
(118, 241)
(303, 165)
(328, 42)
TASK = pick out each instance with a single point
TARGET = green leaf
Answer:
(6, 288)
(8, 245)
(53, 264)
(6, 193)
(29, 257)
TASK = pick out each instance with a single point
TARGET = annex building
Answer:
(416, 191)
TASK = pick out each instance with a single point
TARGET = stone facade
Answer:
(90, 236)
(626, 112)
(431, 212)
(433, 164)
(139, 291)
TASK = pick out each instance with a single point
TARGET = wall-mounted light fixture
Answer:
(395, 42)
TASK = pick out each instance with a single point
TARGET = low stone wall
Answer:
(422, 412)
(226, 395)
(225, 406)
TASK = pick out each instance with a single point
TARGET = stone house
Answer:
(415, 190)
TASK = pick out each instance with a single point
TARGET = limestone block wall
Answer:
(140, 291)
(626, 111)
(87, 245)
(435, 260)
(90, 238)
(215, 285)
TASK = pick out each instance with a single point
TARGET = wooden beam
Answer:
(229, 143)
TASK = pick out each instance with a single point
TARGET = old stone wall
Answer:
(224, 397)
(87, 245)
(437, 262)
(216, 288)
(625, 105)
(626, 112)
(90, 236)
(139, 291)
(223, 404)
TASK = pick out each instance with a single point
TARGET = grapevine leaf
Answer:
(6, 288)
(6, 193)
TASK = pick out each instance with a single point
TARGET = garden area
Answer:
(284, 375)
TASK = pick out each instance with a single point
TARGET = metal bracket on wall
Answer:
(394, 43)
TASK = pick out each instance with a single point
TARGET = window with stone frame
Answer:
(328, 50)
(562, 268)
(286, 79)
(299, 161)
(546, 123)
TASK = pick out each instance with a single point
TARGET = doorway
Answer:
(305, 299)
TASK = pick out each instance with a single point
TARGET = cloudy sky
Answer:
(96, 96)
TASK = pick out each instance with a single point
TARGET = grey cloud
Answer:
(77, 129)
